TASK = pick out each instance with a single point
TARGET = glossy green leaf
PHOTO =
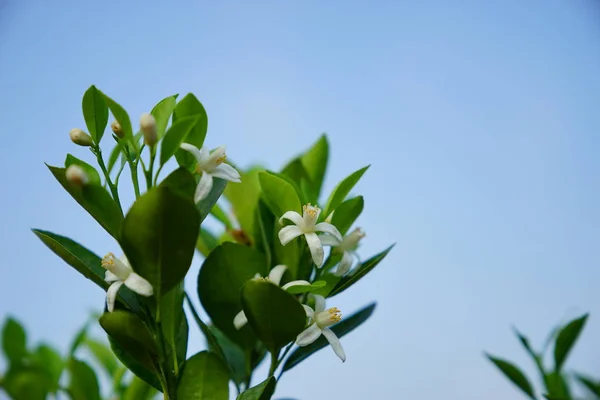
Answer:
(181, 182)
(275, 315)
(159, 236)
(295, 174)
(278, 194)
(221, 278)
(122, 118)
(331, 281)
(171, 311)
(205, 206)
(359, 272)
(103, 355)
(347, 213)
(139, 390)
(557, 386)
(91, 172)
(514, 374)
(314, 161)
(14, 341)
(230, 352)
(244, 197)
(132, 335)
(264, 222)
(83, 382)
(342, 328)
(187, 107)
(95, 112)
(297, 289)
(342, 190)
(86, 263)
(262, 391)
(175, 136)
(147, 373)
(48, 360)
(204, 376)
(26, 383)
(95, 200)
(565, 340)
(589, 384)
(162, 112)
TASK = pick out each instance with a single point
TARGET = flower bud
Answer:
(80, 137)
(76, 175)
(148, 128)
(116, 128)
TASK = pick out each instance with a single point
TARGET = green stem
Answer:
(157, 173)
(113, 189)
(150, 168)
(134, 178)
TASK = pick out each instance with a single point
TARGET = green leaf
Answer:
(171, 311)
(244, 197)
(95, 200)
(206, 242)
(315, 163)
(182, 182)
(221, 216)
(162, 112)
(83, 383)
(122, 118)
(148, 375)
(220, 280)
(565, 340)
(26, 383)
(264, 222)
(340, 192)
(103, 355)
(557, 386)
(514, 374)
(342, 328)
(331, 281)
(187, 107)
(205, 205)
(48, 360)
(175, 136)
(295, 174)
(593, 387)
(14, 341)
(275, 315)
(360, 272)
(95, 112)
(91, 172)
(289, 255)
(86, 263)
(139, 390)
(114, 156)
(347, 213)
(132, 335)
(297, 289)
(537, 359)
(230, 352)
(204, 377)
(262, 391)
(79, 339)
(159, 236)
(278, 194)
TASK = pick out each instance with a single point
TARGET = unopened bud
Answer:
(76, 175)
(329, 218)
(148, 128)
(116, 128)
(80, 137)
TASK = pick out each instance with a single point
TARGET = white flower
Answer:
(347, 247)
(210, 164)
(76, 175)
(306, 225)
(322, 319)
(274, 276)
(80, 137)
(148, 128)
(119, 272)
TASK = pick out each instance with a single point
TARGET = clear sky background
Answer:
(480, 119)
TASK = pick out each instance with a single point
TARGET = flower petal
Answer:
(344, 265)
(319, 303)
(240, 320)
(335, 343)
(308, 335)
(328, 240)
(139, 285)
(192, 149)
(276, 274)
(289, 233)
(328, 228)
(110, 277)
(295, 283)
(316, 248)
(227, 172)
(309, 311)
(294, 217)
(204, 187)
(111, 295)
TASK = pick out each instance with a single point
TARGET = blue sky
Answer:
(480, 120)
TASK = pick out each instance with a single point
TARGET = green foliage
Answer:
(204, 377)
(95, 113)
(262, 391)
